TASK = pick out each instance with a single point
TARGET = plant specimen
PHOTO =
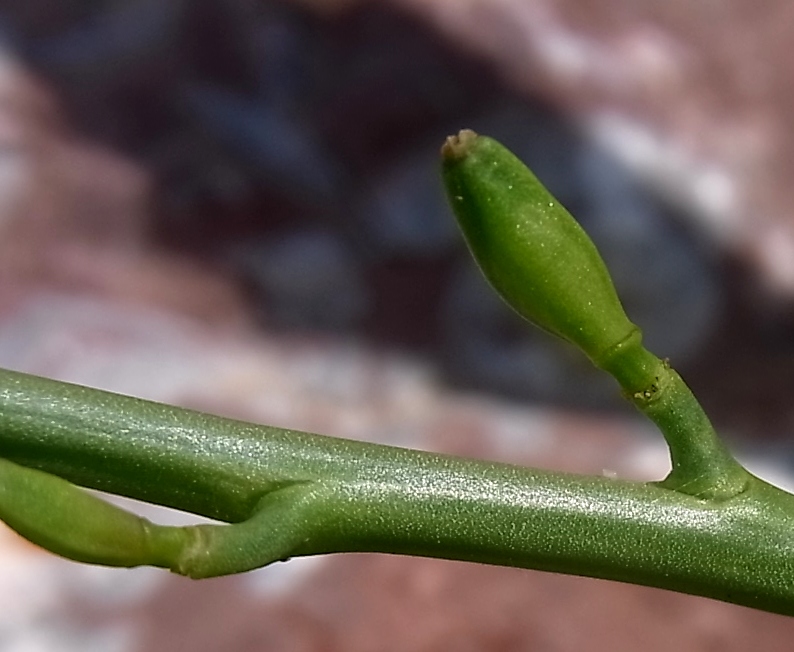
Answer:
(709, 528)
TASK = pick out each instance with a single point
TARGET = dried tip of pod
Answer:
(458, 146)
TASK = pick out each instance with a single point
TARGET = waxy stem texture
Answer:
(292, 493)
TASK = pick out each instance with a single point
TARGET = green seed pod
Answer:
(538, 258)
(544, 265)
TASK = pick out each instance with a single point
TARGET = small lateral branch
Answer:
(540, 260)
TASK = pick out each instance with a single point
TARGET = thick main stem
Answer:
(331, 495)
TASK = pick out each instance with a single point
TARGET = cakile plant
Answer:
(709, 528)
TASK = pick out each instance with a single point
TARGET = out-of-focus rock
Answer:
(274, 117)
(25, 106)
(404, 212)
(75, 215)
(125, 42)
(62, 188)
(695, 99)
(282, 151)
(308, 279)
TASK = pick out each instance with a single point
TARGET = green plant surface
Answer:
(710, 528)
(538, 258)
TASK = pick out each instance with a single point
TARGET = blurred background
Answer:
(235, 205)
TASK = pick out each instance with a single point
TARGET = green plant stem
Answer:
(702, 464)
(543, 264)
(302, 494)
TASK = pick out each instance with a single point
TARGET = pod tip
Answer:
(457, 147)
